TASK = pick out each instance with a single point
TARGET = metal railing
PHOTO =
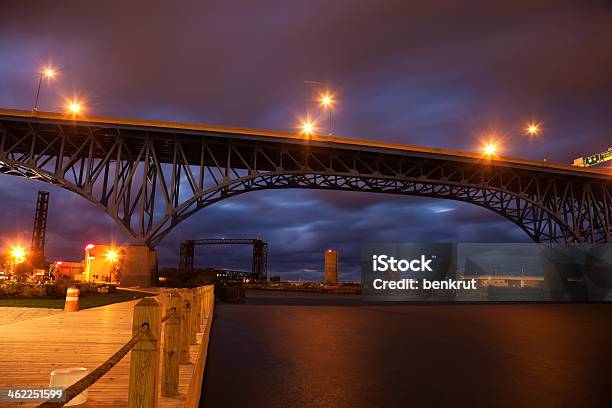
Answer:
(185, 311)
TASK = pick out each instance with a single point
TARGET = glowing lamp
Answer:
(18, 254)
(533, 129)
(49, 73)
(490, 149)
(327, 100)
(307, 127)
(112, 255)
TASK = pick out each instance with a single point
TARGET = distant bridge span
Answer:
(149, 176)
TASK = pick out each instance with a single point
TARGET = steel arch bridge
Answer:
(149, 176)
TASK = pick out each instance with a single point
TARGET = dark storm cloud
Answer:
(438, 74)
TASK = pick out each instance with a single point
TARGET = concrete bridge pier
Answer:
(139, 266)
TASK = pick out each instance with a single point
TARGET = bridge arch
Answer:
(520, 210)
(150, 176)
(301, 180)
(27, 171)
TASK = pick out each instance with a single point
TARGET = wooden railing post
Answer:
(172, 338)
(192, 320)
(195, 387)
(211, 299)
(207, 301)
(197, 300)
(144, 361)
(204, 292)
(206, 308)
(185, 328)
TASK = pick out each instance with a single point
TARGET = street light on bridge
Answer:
(74, 107)
(490, 149)
(327, 101)
(49, 74)
(534, 130)
(307, 127)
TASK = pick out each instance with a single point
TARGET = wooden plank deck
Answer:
(32, 348)
(15, 314)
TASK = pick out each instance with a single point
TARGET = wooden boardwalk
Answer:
(32, 348)
(15, 314)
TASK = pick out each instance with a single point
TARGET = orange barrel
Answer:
(72, 300)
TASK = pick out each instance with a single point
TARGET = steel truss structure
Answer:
(37, 248)
(259, 265)
(151, 176)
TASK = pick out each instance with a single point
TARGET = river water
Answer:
(320, 350)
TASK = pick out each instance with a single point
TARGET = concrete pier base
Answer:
(139, 266)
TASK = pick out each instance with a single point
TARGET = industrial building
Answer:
(331, 267)
(102, 264)
(64, 269)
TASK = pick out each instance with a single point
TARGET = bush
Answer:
(32, 291)
(22, 290)
(88, 287)
(58, 288)
(8, 289)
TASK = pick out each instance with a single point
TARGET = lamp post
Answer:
(310, 88)
(307, 127)
(534, 130)
(327, 101)
(112, 256)
(490, 149)
(48, 73)
(74, 107)
(88, 259)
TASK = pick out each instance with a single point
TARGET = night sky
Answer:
(446, 75)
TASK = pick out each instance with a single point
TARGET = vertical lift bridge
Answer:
(259, 269)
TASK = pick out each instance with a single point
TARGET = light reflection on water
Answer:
(302, 350)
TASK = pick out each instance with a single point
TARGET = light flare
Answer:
(18, 253)
(49, 73)
(75, 107)
(327, 100)
(112, 255)
(307, 127)
(533, 129)
(490, 149)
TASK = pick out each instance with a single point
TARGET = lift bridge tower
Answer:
(37, 248)
(259, 266)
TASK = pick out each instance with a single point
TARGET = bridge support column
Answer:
(139, 266)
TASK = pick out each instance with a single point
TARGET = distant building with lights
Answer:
(331, 266)
(65, 269)
(102, 264)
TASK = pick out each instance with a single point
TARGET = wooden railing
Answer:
(188, 312)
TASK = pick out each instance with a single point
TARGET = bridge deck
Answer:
(32, 348)
(171, 128)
